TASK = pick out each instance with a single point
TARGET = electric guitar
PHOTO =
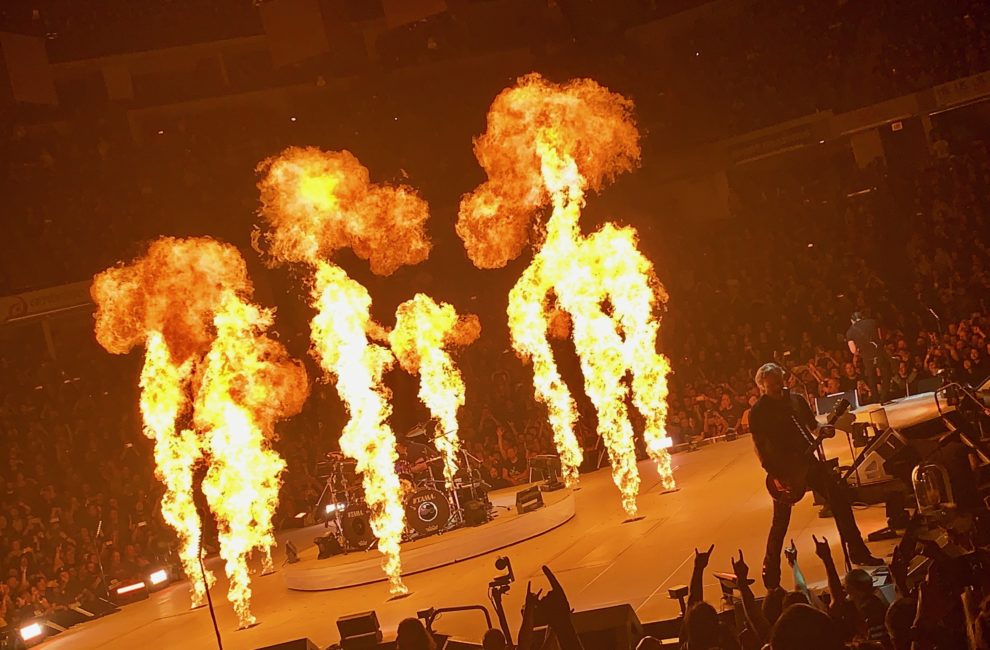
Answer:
(791, 492)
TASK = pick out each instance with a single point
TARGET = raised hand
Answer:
(532, 599)
(554, 603)
(701, 558)
(791, 554)
(741, 569)
(525, 635)
(822, 549)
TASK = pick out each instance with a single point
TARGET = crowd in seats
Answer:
(78, 496)
(797, 278)
(778, 282)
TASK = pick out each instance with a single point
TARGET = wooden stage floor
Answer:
(599, 559)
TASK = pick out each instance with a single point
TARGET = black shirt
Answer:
(517, 466)
(864, 334)
(778, 438)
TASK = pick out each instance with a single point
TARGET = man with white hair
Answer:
(782, 426)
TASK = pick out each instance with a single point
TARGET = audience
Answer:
(79, 503)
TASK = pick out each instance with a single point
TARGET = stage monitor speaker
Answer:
(529, 500)
(359, 630)
(824, 405)
(609, 628)
(295, 644)
(871, 465)
(889, 444)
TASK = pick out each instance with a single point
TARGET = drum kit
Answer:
(432, 507)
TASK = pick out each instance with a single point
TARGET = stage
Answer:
(365, 567)
(599, 559)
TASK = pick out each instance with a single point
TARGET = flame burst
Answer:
(317, 203)
(423, 331)
(247, 382)
(163, 398)
(549, 144)
(186, 300)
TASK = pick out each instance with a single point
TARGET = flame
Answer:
(423, 329)
(595, 128)
(173, 289)
(342, 347)
(163, 398)
(317, 203)
(549, 144)
(187, 301)
(248, 381)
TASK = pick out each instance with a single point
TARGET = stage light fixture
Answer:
(32, 631)
(291, 553)
(130, 593)
(157, 579)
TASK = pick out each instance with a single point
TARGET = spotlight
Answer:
(130, 593)
(31, 631)
(157, 579)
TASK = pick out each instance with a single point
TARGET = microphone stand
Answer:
(99, 559)
(209, 598)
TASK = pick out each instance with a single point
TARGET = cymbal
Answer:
(417, 431)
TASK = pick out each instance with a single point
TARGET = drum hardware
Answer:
(432, 506)
(329, 546)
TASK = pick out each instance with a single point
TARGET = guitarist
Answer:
(782, 426)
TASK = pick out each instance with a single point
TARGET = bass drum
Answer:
(355, 524)
(427, 511)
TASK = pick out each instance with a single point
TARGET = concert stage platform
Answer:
(364, 567)
(599, 559)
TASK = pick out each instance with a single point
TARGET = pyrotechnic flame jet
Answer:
(247, 382)
(317, 203)
(548, 144)
(423, 332)
(207, 363)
